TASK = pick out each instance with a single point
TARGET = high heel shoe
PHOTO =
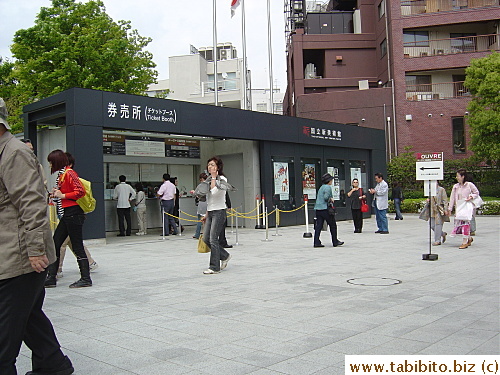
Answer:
(464, 246)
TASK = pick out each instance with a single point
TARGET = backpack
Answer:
(87, 203)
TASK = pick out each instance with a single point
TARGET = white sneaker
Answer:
(210, 272)
(59, 275)
(223, 263)
(93, 266)
(139, 234)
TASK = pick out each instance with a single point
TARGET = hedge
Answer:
(490, 207)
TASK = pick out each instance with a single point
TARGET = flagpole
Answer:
(216, 84)
(270, 53)
(244, 40)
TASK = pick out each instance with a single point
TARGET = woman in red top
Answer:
(71, 217)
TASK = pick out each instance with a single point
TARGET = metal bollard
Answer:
(264, 217)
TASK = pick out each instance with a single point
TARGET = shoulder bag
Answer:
(364, 206)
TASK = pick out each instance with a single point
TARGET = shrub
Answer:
(489, 208)
(414, 206)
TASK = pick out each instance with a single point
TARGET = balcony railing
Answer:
(480, 43)
(411, 7)
(436, 91)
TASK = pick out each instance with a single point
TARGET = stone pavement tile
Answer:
(166, 353)
(133, 342)
(486, 325)
(469, 338)
(261, 358)
(163, 368)
(258, 342)
(442, 348)
(265, 371)
(229, 351)
(324, 356)
(350, 347)
(370, 338)
(492, 346)
(405, 346)
(295, 366)
(339, 334)
(228, 368)
(331, 370)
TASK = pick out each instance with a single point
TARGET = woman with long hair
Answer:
(71, 218)
(461, 196)
(216, 215)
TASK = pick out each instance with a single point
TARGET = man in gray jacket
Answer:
(26, 249)
(381, 203)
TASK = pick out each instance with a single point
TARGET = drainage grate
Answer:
(374, 281)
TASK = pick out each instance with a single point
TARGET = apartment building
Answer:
(192, 77)
(393, 65)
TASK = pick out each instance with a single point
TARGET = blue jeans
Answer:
(397, 206)
(198, 227)
(213, 227)
(168, 208)
(381, 217)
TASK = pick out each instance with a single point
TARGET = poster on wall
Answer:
(281, 180)
(144, 146)
(309, 181)
(356, 173)
(336, 182)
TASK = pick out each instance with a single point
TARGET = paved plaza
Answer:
(281, 306)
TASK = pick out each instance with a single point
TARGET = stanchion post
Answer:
(179, 229)
(236, 235)
(162, 221)
(307, 234)
(277, 221)
(258, 225)
(267, 227)
(232, 222)
(264, 217)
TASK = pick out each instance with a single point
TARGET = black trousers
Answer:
(321, 217)
(124, 213)
(357, 218)
(22, 319)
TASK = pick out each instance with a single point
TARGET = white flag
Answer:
(234, 5)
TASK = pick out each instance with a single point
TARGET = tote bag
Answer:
(464, 210)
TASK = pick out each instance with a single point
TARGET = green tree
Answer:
(483, 81)
(10, 93)
(402, 169)
(76, 44)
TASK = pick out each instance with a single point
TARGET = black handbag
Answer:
(331, 209)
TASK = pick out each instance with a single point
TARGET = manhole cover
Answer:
(374, 281)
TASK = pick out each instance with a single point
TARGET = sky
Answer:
(174, 25)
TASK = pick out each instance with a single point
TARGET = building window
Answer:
(458, 135)
(261, 107)
(416, 38)
(418, 83)
(383, 48)
(381, 9)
